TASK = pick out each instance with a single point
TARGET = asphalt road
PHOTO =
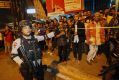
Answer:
(10, 71)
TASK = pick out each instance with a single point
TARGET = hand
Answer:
(36, 32)
(47, 31)
(62, 33)
(75, 33)
(85, 41)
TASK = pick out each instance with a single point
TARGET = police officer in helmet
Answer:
(26, 53)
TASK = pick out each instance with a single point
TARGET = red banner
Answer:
(58, 7)
(55, 7)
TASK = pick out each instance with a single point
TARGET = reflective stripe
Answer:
(14, 55)
(18, 60)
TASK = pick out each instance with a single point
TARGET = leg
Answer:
(5, 44)
(107, 52)
(64, 54)
(95, 51)
(80, 50)
(75, 50)
(26, 74)
(91, 53)
(86, 48)
(67, 51)
(9, 47)
(40, 74)
(60, 53)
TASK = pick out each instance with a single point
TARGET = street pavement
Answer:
(69, 70)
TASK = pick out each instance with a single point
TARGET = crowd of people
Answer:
(83, 32)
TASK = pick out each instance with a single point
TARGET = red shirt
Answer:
(8, 36)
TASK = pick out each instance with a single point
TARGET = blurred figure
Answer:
(61, 42)
(1, 40)
(79, 38)
(8, 39)
(95, 37)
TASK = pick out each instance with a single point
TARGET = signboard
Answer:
(59, 7)
(4, 4)
(73, 5)
(55, 7)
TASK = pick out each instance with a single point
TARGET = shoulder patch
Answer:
(15, 44)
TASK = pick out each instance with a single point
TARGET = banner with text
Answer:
(73, 5)
(59, 7)
(4, 4)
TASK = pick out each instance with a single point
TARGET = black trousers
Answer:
(105, 48)
(62, 53)
(68, 50)
(78, 50)
(28, 74)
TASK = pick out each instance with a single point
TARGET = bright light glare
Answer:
(31, 11)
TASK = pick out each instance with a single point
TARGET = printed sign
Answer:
(4, 4)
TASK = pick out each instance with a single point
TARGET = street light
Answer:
(31, 13)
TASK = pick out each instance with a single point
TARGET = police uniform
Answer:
(33, 54)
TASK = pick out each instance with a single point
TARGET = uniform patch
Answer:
(15, 44)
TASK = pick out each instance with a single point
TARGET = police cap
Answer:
(25, 23)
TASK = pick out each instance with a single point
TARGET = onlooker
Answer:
(8, 39)
(79, 38)
(95, 36)
(61, 42)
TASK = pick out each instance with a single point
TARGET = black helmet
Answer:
(24, 23)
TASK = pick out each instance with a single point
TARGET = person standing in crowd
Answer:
(61, 42)
(54, 40)
(42, 31)
(27, 54)
(69, 35)
(8, 39)
(79, 38)
(65, 21)
(111, 34)
(95, 36)
(49, 42)
(113, 23)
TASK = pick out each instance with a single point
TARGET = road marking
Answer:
(63, 76)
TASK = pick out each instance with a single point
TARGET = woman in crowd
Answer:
(8, 39)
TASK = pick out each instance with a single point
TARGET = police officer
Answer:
(27, 54)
